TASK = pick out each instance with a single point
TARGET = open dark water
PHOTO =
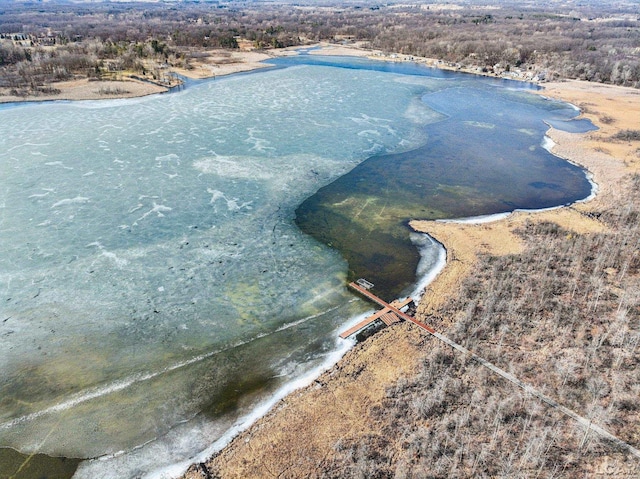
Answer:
(154, 286)
(484, 156)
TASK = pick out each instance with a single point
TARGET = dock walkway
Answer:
(386, 314)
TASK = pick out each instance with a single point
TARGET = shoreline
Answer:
(220, 63)
(131, 86)
(348, 395)
(605, 170)
(261, 409)
(79, 90)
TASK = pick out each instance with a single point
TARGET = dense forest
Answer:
(41, 43)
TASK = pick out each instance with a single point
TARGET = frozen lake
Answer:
(154, 285)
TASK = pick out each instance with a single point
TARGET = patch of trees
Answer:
(589, 41)
(627, 135)
(29, 70)
(565, 46)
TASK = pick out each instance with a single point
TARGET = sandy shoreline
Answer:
(608, 161)
(220, 63)
(338, 400)
(214, 63)
(84, 89)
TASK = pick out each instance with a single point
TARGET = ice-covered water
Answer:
(153, 285)
(151, 276)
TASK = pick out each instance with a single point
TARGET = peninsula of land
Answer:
(214, 63)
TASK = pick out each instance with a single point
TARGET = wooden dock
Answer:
(386, 315)
(389, 314)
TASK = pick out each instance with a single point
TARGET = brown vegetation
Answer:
(50, 42)
(564, 316)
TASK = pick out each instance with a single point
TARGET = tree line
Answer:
(47, 42)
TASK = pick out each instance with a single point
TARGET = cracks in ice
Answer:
(159, 209)
(232, 204)
(119, 262)
(259, 144)
(71, 201)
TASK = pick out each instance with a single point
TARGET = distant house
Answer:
(540, 76)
